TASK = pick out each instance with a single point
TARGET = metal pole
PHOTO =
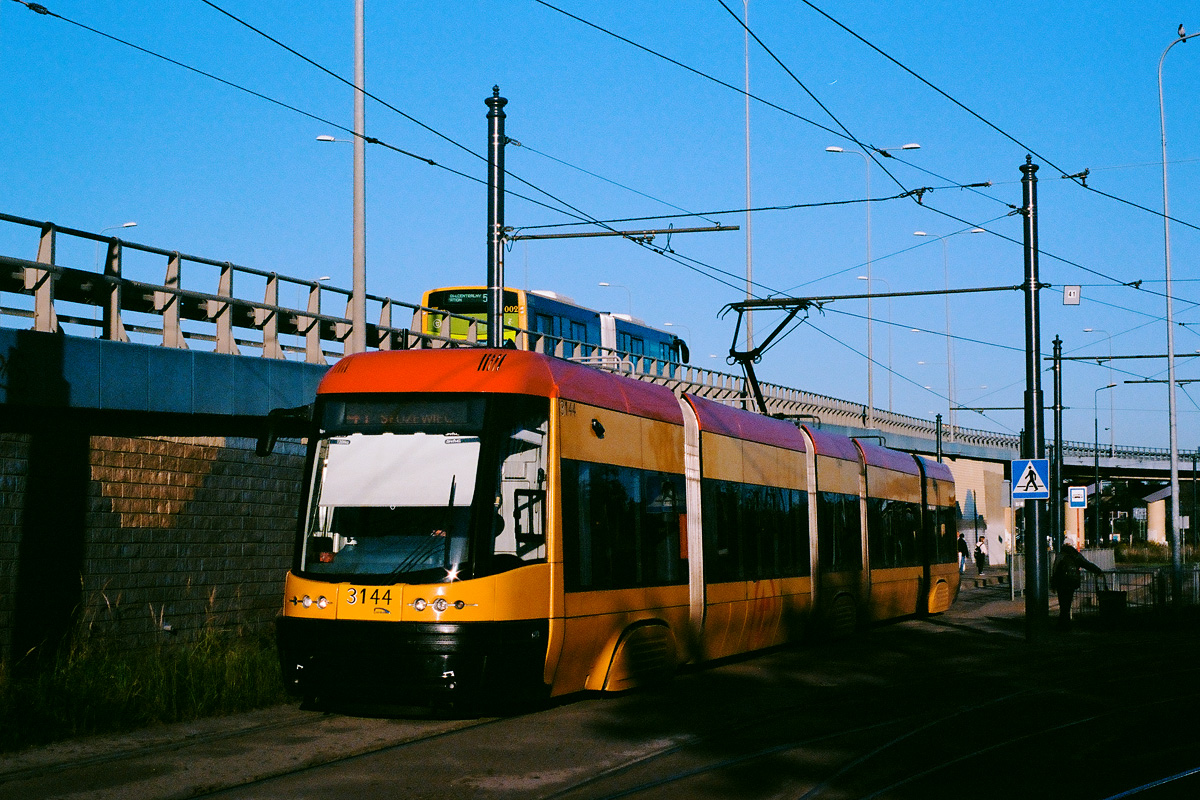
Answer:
(870, 339)
(749, 205)
(1176, 550)
(1037, 600)
(1096, 463)
(1192, 517)
(949, 339)
(1096, 458)
(939, 437)
(1056, 466)
(496, 142)
(358, 293)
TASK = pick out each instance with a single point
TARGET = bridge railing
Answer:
(205, 302)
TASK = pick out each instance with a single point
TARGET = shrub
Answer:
(92, 686)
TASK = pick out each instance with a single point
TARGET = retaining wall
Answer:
(141, 537)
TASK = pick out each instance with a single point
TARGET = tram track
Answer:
(219, 760)
(892, 713)
(676, 783)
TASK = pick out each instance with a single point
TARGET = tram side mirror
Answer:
(282, 422)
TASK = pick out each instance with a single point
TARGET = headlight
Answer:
(322, 601)
(419, 604)
(306, 601)
(440, 605)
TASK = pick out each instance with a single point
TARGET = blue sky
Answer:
(98, 134)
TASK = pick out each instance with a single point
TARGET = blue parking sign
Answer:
(1031, 479)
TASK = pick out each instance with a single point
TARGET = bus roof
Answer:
(502, 371)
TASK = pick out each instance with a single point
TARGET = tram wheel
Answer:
(843, 618)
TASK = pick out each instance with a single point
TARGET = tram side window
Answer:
(753, 532)
(839, 535)
(721, 502)
(947, 534)
(621, 527)
(892, 527)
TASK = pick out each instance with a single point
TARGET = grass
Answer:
(91, 686)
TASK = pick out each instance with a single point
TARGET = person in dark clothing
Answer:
(1065, 578)
(963, 553)
(981, 555)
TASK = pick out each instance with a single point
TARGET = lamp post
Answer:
(1112, 446)
(1176, 522)
(677, 325)
(870, 355)
(358, 289)
(628, 294)
(358, 313)
(889, 362)
(110, 228)
(1096, 456)
(949, 340)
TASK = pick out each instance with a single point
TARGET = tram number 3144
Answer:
(355, 595)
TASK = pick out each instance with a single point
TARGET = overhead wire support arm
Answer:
(747, 358)
(794, 305)
(787, 302)
(651, 233)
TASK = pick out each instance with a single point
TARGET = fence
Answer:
(1145, 588)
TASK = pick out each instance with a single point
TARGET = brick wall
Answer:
(176, 532)
(14, 465)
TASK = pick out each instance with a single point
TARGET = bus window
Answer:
(579, 334)
(544, 324)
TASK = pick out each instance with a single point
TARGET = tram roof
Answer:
(726, 420)
(831, 444)
(936, 469)
(501, 371)
(878, 456)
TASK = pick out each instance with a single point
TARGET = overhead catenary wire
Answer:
(44, 11)
(428, 161)
(871, 152)
(846, 136)
(786, 207)
(685, 213)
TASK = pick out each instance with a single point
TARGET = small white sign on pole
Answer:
(1077, 497)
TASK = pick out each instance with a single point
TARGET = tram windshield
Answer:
(428, 488)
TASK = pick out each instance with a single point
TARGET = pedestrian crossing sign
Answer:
(1031, 479)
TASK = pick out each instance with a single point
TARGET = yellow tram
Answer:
(481, 522)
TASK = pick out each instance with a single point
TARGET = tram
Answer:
(495, 522)
(585, 334)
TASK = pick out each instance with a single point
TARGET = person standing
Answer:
(1065, 578)
(962, 554)
(981, 554)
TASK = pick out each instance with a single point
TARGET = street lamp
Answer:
(889, 289)
(628, 294)
(110, 228)
(1096, 455)
(949, 340)
(1112, 447)
(359, 253)
(1176, 522)
(677, 325)
(870, 359)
